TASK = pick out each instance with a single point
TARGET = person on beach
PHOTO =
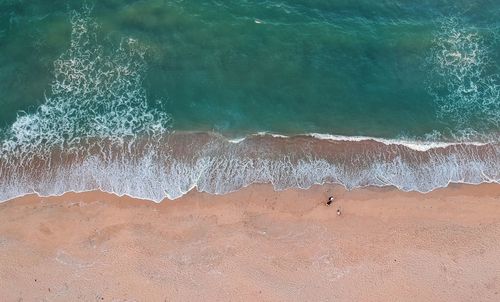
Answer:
(330, 200)
(339, 212)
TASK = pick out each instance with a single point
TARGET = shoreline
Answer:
(194, 190)
(387, 245)
(177, 163)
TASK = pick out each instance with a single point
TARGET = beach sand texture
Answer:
(254, 245)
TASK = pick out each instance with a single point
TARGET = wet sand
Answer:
(254, 245)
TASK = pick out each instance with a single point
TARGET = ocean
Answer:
(155, 98)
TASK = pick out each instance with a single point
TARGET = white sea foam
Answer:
(237, 140)
(418, 145)
(263, 133)
(464, 79)
(224, 167)
(94, 94)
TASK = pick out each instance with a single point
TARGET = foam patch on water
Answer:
(465, 81)
(94, 94)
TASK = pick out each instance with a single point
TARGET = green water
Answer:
(330, 66)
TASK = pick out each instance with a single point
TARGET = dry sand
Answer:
(254, 245)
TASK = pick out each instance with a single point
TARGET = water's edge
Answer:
(174, 165)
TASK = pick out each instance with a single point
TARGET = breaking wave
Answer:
(211, 163)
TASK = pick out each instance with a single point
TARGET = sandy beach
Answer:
(254, 245)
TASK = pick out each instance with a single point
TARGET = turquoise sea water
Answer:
(74, 76)
(342, 67)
